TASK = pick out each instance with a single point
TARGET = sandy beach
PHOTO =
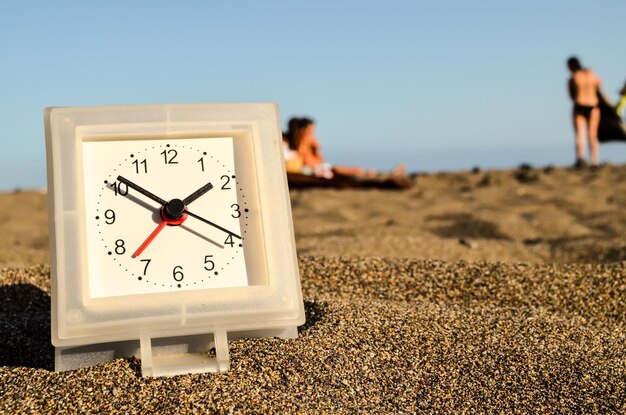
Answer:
(498, 291)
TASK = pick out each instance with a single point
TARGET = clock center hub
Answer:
(174, 212)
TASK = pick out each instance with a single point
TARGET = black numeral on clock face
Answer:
(141, 166)
(109, 215)
(177, 272)
(229, 241)
(120, 249)
(119, 189)
(237, 213)
(145, 269)
(169, 156)
(226, 181)
(209, 265)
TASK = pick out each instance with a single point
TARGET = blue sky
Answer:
(435, 84)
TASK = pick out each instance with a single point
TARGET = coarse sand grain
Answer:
(382, 336)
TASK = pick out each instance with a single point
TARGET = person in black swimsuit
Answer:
(584, 110)
(583, 90)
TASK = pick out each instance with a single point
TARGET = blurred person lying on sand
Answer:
(583, 90)
(303, 155)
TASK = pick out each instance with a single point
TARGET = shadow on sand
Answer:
(464, 225)
(25, 327)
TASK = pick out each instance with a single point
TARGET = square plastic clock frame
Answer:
(173, 333)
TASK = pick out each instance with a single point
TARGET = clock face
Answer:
(164, 215)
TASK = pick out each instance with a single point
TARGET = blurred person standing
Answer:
(583, 90)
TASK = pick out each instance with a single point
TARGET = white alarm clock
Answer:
(171, 232)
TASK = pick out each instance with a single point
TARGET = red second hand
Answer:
(166, 221)
(149, 239)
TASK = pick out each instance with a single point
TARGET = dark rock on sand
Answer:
(526, 174)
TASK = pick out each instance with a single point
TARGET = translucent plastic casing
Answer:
(173, 332)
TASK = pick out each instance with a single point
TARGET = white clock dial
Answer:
(163, 215)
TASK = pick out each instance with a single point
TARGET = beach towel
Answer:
(611, 126)
(304, 181)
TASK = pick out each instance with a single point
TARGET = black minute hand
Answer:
(212, 224)
(142, 190)
(197, 193)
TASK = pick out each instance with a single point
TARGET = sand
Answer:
(534, 216)
(487, 292)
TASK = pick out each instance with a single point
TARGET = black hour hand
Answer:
(197, 193)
